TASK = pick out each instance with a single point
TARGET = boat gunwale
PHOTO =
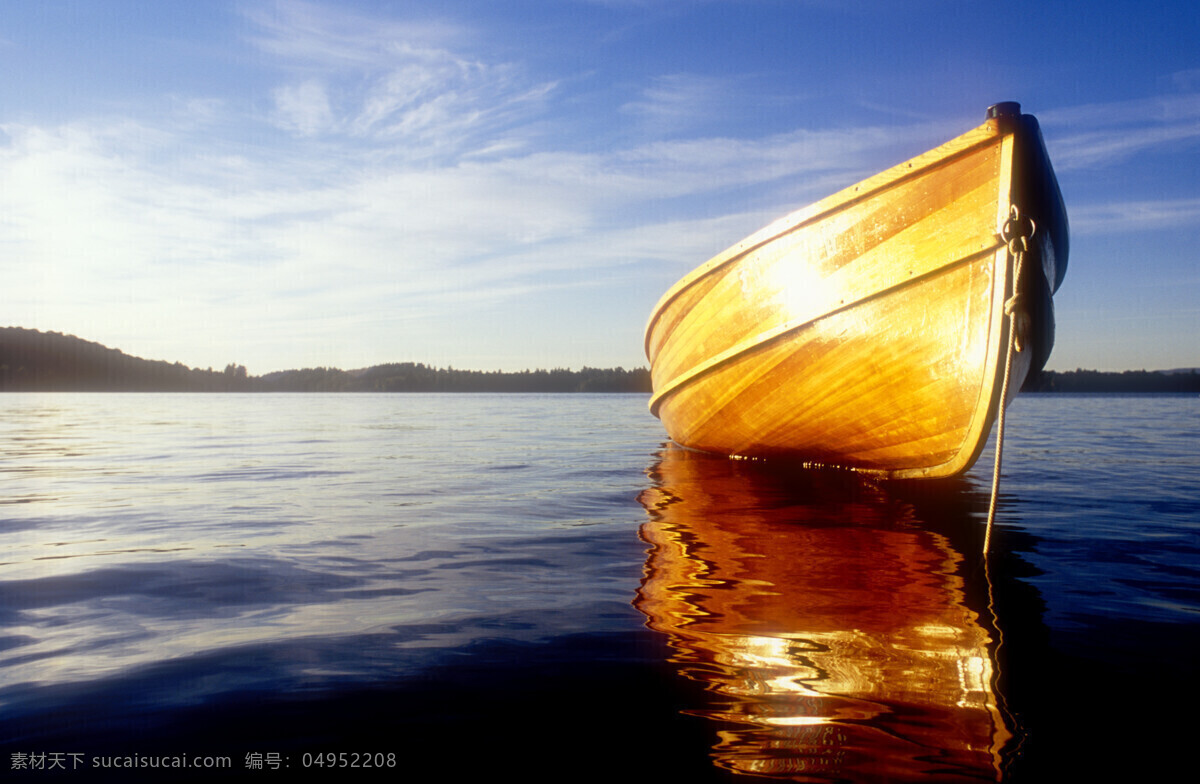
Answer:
(989, 132)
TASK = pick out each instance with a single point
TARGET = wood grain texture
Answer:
(866, 331)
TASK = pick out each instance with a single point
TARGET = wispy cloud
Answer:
(304, 108)
(675, 102)
(390, 182)
(1096, 135)
(308, 35)
(398, 83)
(1135, 216)
(224, 241)
(1186, 80)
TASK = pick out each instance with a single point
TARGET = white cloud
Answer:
(1105, 147)
(131, 229)
(675, 102)
(1133, 216)
(304, 108)
(391, 83)
(1096, 135)
(403, 191)
(1186, 80)
(311, 36)
(117, 241)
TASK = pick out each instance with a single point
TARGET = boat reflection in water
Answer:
(829, 619)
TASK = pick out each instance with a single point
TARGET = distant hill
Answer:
(36, 361)
(49, 361)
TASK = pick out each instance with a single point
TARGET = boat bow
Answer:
(869, 330)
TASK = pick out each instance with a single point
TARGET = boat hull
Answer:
(869, 330)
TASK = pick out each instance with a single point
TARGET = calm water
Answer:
(475, 584)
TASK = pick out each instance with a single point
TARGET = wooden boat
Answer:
(871, 330)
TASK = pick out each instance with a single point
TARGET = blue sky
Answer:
(502, 185)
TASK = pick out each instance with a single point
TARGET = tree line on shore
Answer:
(1128, 381)
(34, 361)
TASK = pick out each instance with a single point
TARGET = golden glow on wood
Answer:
(832, 606)
(863, 331)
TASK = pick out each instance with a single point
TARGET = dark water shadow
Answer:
(587, 703)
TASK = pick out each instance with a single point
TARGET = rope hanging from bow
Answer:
(1016, 233)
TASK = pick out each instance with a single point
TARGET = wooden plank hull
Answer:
(869, 330)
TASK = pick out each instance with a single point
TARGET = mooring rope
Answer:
(1016, 233)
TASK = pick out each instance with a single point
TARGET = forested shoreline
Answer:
(34, 361)
(1126, 382)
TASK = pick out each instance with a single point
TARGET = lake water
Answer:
(458, 586)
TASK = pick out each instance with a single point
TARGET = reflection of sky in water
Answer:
(153, 528)
(1111, 490)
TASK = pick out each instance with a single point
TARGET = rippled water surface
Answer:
(487, 583)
